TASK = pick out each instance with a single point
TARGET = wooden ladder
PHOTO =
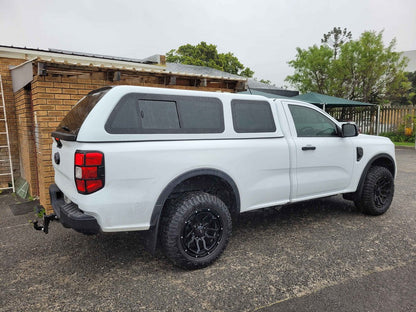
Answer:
(7, 159)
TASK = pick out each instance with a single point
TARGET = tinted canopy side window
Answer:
(311, 123)
(201, 114)
(158, 115)
(150, 113)
(124, 117)
(252, 116)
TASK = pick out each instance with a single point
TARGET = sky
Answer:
(262, 34)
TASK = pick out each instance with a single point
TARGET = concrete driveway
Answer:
(322, 255)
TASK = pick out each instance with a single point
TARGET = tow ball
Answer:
(46, 220)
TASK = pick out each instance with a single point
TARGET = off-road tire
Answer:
(377, 193)
(195, 230)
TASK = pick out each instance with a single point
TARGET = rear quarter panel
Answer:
(137, 172)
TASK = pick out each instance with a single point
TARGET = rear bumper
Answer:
(70, 215)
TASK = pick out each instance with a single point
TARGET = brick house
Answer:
(41, 86)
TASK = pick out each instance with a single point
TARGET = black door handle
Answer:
(308, 148)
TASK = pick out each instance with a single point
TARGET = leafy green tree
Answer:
(204, 54)
(312, 69)
(247, 72)
(364, 69)
(368, 71)
(268, 82)
(411, 99)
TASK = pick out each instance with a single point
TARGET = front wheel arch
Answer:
(381, 160)
(378, 192)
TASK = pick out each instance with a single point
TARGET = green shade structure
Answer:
(322, 100)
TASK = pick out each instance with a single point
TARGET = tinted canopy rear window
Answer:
(73, 121)
(152, 113)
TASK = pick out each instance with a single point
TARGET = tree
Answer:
(364, 69)
(369, 71)
(204, 54)
(335, 38)
(247, 72)
(312, 69)
(411, 98)
(268, 82)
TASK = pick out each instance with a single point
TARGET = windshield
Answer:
(73, 120)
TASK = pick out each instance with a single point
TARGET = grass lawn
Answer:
(412, 144)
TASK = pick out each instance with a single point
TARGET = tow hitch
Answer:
(46, 220)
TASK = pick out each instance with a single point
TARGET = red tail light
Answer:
(89, 171)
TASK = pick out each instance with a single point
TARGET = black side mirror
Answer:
(349, 130)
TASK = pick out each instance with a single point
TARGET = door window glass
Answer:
(311, 123)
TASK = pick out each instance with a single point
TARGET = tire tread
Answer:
(172, 220)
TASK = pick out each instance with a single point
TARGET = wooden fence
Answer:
(371, 120)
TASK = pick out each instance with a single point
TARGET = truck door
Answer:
(324, 160)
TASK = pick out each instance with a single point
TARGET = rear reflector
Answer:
(89, 171)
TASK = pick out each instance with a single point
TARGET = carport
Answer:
(324, 101)
(365, 115)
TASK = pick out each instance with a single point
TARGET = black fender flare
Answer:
(360, 187)
(152, 233)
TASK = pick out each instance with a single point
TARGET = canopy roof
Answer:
(328, 101)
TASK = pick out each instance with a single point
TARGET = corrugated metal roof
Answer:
(76, 58)
(254, 84)
(103, 61)
(201, 71)
(154, 59)
(268, 95)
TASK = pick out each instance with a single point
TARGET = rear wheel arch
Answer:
(211, 181)
(195, 229)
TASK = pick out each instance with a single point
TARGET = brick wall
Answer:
(52, 98)
(11, 120)
(36, 110)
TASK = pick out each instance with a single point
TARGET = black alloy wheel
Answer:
(202, 233)
(377, 193)
(195, 230)
(382, 192)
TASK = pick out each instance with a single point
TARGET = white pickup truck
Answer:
(179, 164)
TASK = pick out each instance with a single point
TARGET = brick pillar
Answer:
(27, 151)
(53, 98)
